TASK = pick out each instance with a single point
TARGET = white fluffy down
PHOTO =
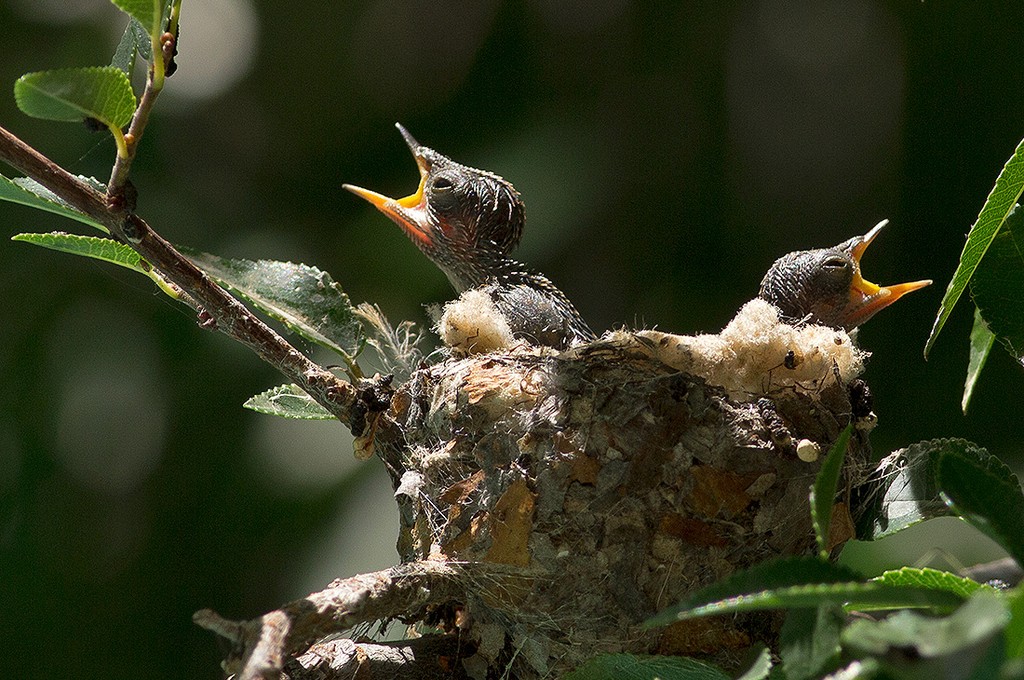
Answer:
(751, 356)
(472, 324)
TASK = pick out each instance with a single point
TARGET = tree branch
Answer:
(230, 316)
(262, 645)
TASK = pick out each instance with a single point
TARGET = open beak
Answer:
(410, 213)
(867, 298)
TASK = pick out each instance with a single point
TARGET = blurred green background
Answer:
(667, 152)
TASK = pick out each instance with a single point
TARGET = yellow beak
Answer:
(410, 212)
(870, 298)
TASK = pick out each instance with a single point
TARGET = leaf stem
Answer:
(122, 145)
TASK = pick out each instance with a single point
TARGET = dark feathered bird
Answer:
(467, 221)
(825, 286)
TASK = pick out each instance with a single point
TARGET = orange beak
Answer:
(866, 298)
(410, 213)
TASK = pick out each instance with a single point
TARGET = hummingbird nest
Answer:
(607, 482)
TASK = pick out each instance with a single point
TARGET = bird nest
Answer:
(551, 501)
(604, 483)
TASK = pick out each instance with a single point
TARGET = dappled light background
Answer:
(667, 154)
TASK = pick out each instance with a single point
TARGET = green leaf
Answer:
(932, 579)
(104, 249)
(903, 489)
(759, 667)
(984, 491)
(823, 492)
(35, 187)
(998, 284)
(134, 41)
(981, 345)
(1000, 202)
(794, 582)
(149, 13)
(29, 192)
(809, 642)
(288, 401)
(900, 492)
(907, 639)
(74, 94)
(631, 667)
(1015, 630)
(88, 246)
(759, 580)
(936, 477)
(304, 298)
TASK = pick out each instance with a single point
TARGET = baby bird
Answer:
(825, 287)
(467, 221)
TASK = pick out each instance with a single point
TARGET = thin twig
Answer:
(231, 317)
(163, 49)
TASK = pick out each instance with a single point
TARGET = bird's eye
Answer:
(444, 199)
(836, 263)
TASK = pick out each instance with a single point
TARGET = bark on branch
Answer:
(404, 592)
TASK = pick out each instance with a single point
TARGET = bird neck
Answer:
(465, 274)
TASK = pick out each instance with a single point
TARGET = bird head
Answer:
(825, 286)
(462, 218)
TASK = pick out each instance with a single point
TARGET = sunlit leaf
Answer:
(981, 345)
(823, 492)
(103, 93)
(288, 401)
(795, 582)
(998, 285)
(29, 192)
(149, 13)
(932, 579)
(1004, 196)
(304, 298)
(104, 249)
